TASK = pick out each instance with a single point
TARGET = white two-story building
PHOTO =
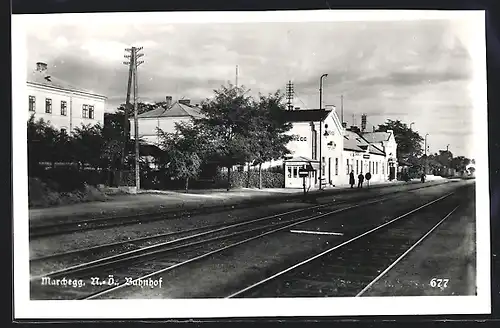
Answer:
(64, 106)
(164, 118)
(342, 151)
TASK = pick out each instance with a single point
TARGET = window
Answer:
(314, 145)
(376, 168)
(383, 171)
(63, 131)
(85, 111)
(357, 166)
(289, 172)
(323, 166)
(32, 103)
(347, 166)
(336, 166)
(48, 105)
(295, 170)
(64, 108)
(360, 166)
(91, 112)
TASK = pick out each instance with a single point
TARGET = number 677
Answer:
(439, 283)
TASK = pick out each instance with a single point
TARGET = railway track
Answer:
(132, 246)
(143, 263)
(65, 227)
(353, 266)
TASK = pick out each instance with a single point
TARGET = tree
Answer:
(226, 120)
(409, 141)
(460, 163)
(269, 139)
(113, 133)
(141, 108)
(445, 158)
(36, 142)
(183, 152)
(88, 145)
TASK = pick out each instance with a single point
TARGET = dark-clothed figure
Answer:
(351, 179)
(361, 177)
(422, 177)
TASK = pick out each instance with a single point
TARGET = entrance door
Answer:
(392, 173)
(329, 170)
(292, 177)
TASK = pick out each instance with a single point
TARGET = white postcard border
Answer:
(217, 308)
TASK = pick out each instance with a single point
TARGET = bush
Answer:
(239, 179)
(40, 194)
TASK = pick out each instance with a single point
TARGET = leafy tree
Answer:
(36, 142)
(409, 141)
(88, 144)
(141, 107)
(269, 139)
(183, 152)
(226, 120)
(444, 158)
(460, 163)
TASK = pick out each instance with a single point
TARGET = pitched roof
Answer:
(376, 136)
(48, 80)
(352, 141)
(176, 110)
(305, 115)
(356, 142)
(300, 159)
(375, 150)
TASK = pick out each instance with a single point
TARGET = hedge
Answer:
(270, 179)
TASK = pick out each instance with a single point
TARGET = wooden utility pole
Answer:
(128, 108)
(134, 63)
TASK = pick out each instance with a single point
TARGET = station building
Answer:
(343, 150)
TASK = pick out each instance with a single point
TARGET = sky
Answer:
(413, 71)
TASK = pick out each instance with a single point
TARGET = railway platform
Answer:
(155, 201)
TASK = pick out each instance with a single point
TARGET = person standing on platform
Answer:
(351, 179)
(361, 177)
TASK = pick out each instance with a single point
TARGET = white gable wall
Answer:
(148, 127)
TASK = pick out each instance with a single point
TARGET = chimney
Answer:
(168, 101)
(41, 67)
(185, 102)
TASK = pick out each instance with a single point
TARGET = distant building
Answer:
(387, 142)
(164, 118)
(63, 105)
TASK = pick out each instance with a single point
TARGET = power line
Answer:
(298, 97)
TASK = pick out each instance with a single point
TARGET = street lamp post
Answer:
(447, 146)
(425, 152)
(321, 130)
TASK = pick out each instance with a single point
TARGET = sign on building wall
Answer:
(296, 137)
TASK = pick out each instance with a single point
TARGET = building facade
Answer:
(342, 151)
(164, 118)
(64, 106)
